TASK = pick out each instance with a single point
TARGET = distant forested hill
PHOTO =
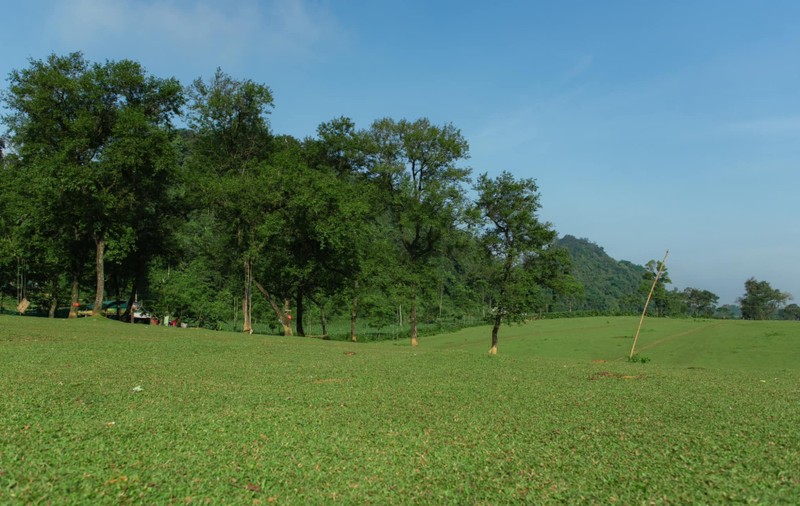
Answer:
(610, 285)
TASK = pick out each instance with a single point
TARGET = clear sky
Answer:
(647, 124)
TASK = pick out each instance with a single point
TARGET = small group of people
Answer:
(167, 322)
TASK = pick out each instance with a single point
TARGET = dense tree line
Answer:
(105, 198)
(120, 186)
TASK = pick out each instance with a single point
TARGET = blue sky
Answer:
(647, 124)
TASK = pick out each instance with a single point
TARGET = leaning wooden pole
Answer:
(647, 303)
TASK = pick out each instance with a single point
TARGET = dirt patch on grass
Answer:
(599, 361)
(614, 375)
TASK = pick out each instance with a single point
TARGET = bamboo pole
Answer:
(647, 303)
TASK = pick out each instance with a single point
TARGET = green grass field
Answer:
(100, 412)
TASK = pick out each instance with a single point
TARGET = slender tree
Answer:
(513, 237)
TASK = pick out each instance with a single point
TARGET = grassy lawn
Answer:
(95, 411)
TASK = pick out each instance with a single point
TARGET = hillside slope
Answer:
(610, 285)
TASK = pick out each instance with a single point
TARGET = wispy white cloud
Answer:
(198, 31)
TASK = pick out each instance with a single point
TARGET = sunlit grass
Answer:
(95, 411)
(681, 342)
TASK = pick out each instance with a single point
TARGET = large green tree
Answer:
(700, 302)
(331, 218)
(761, 301)
(357, 255)
(229, 165)
(514, 237)
(309, 256)
(415, 166)
(95, 142)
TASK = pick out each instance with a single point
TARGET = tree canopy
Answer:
(515, 242)
(103, 201)
(761, 301)
(93, 157)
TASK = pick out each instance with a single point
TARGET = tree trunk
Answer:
(412, 319)
(298, 319)
(75, 273)
(245, 323)
(129, 309)
(281, 314)
(53, 297)
(73, 304)
(250, 302)
(235, 314)
(441, 297)
(501, 300)
(324, 322)
(247, 297)
(354, 312)
(100, 250)
(495, 329)
(116, 297)
(287, 319)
